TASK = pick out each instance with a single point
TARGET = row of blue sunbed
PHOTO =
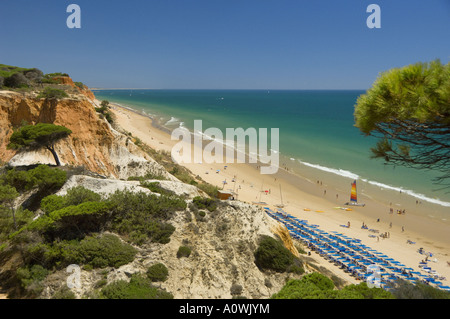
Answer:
(350, 254)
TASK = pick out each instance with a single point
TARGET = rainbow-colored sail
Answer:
(353, 193)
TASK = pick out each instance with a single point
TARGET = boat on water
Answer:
(353, 197)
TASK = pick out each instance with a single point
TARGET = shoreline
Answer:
(306, 199)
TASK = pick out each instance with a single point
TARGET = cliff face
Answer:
(93, 142)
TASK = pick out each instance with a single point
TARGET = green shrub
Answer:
(209, 189)
(48, 80)
(101, 283)
(103, 251)
(92, 252)
(157, 272)
(183, 251)
(52, 203)
(20, 180)
(296, 289)
(72, 221)
(236, 290)
(31, 274)
(362, 291)
(144, 214)
(78, 195)
(64, 293)
(205, 203)
(79, 84)
(296, 268)
(402, 289)
(47, 178)
(52, 93)
(320, 281)
(31, 278)
(271, 254)
(8, 70)
(56, 74)
(105, 103)
(318, 286)
(23, 217)
(109, 117)
(17, 80)
(75, 196)
(147, 176)
(139, 287)
(156, 188)
(104, 110)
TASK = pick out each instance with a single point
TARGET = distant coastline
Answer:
(100, 89)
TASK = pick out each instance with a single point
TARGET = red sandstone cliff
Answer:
(93, 142)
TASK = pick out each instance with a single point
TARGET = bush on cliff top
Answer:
(52, 93)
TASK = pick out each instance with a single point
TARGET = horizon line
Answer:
(106, 88)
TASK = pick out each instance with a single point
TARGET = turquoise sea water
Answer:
(316, 130)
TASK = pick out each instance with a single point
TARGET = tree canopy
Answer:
(408, 110)
(37, 136)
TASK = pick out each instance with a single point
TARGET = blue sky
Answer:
(212, 44)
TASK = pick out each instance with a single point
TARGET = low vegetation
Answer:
(157, 272)
(183, 251)
(205, 203)
(52, 94)
(104, 111)
(402, 289)
(272, 255)
(13, 77)
(318, 286)
(139, 287)
(82, 228)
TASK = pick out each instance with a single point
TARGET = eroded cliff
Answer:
(94, 143)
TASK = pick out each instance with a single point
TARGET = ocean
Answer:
(317, 136)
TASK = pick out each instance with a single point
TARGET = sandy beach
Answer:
(316, 202)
